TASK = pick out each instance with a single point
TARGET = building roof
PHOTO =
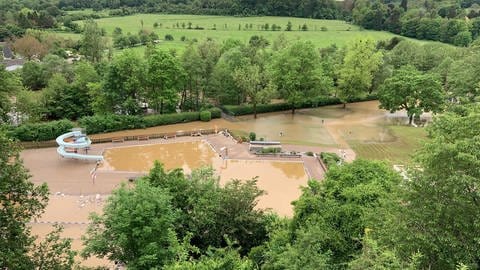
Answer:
(7, 52)
(13, 64)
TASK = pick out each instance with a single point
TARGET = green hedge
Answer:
(216, 112)
(102, 123)
(236, 110)
(329, 159)
(41, 131)
(205, 116)
(111, 122)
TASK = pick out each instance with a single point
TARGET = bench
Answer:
(290, 155)
(170, 135)
(266, 154)
(143, 138)
(118, 139)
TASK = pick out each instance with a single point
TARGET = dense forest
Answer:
(454, 23)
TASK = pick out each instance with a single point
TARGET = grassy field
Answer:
(408, 140)
(334, 32)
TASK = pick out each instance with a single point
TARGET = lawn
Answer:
(321, 32)
(408, 140)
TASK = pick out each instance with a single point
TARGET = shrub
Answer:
(309, 153)
(324, 29)
(330, 159)
(252, 136)
(205, 116)
(168, 37)
(41, 131)
(270, 150)
(183, 38)
(215, 112)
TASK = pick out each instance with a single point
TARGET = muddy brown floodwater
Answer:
(280, 179)
(74, 194)
(362, 121)
(185, 155)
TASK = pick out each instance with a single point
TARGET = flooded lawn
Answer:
(185, 155)
(359, 126)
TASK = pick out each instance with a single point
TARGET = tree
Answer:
(330, 217)
(30, 47)
(461, 79)
(209, 52)
(54, 252)
(410, 90)
(359, 66)
(211, 214)
(21, 202)
(250, 80)
(463, 39)
(163, 77)
(92, 43)
(223, 86)
(297, 75)
(10, 85)
(191, 64)
(289, 26)
(440, 215)
(136, 228)
(122, 88)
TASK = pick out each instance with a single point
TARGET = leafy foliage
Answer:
(410, 90)
(21, 202)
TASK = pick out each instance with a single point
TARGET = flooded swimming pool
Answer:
(185, 155)
(280, 179)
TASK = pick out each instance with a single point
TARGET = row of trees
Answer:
(404, 75)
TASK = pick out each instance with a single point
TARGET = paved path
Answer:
(313, 167)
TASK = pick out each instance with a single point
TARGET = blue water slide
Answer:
(80, 141)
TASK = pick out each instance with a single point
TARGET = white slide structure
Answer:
(80, 141)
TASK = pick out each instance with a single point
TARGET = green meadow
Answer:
(321, 32)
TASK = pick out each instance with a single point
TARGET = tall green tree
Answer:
(209, 52)
(297, 75)
(360, 63)
(410, 90)
(223, 85)
(251, 81)
(163, 81)
(192, 87)
(136, 228)
(92, 43)
(122, 88)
